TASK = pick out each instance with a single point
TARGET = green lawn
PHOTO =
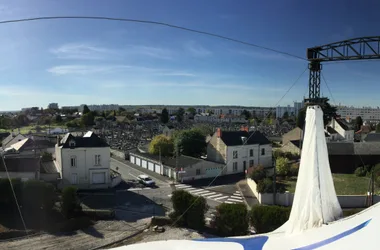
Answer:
(345, 184)
(26, 129)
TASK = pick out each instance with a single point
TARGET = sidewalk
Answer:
(144, 170)
(249, 198)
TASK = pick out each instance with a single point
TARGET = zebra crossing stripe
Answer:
(207, 194)
(214, 196)
(229, 202)
(234, 200)
(236, 197)
(201, 192)
(180, 186)
(187, 189)
(219, 198)
(196, 191)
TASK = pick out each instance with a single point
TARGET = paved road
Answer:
(129, 172)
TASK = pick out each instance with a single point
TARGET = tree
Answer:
(164, 116)
(85, 110)
(285, 115)
(103, 114)
(378, 128)
(190, 142)
(246, 114)
(58, 118)
(358, 123)
(192, 111)
(70, 202)
(189, 211)
(163, 143)
(179, 114)
(231, 219)
(87, 119)
(282, 166)
(38, 196)
(204, 129)
(268, 218)
(301, 118)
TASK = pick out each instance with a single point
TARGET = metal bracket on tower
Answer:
(315, 68)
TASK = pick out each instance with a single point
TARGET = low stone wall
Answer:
(118, 153)
(286, 199)
(115, 181)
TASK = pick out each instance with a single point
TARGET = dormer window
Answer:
(72, 143)
(243, 139)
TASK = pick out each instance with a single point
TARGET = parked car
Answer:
(146, 180)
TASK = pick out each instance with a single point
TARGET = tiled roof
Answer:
(234, 138)
(90, 140)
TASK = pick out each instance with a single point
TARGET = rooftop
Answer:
(89, 140)
(234, 138)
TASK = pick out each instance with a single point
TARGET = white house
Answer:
(341, 130)
(83, 161)
(239, 150)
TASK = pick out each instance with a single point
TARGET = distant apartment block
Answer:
(280, 111)
(53, 106)
(366, 113)
(102, 107)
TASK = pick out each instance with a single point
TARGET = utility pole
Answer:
(176, 162)
(274, 179)
(373, 185)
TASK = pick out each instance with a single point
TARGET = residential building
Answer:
(11, 139)
(339, 130)
(30, 147)
(53, 106)
(182, 168)
(294, 135)
(280, 111)
(239, 150)
(83, 161)
(366, 113)
(168, 130)
(297, 107)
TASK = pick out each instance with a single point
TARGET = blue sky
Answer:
(82, 61)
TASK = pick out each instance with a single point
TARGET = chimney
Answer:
(244, 128)
(219, 132)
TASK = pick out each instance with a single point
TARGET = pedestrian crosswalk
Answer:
(211, 195)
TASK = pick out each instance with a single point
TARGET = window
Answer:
(73, 161)
(72, 143)
(251, 152)
(198, 172)
(235, 167)
(235, 154)
(263, 151)
(251, 163)
(97, 159)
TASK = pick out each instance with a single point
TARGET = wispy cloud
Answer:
(196, 49)
(79, 69)
(156, 52)
(25, 92)
(81, 51)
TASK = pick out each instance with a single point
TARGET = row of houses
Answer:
(228, 152)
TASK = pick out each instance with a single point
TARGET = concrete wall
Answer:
(216, 150)
(52, 177)
(85, 166)
(115, 181)
(20, 175)
(191, 171)
(286, 199)
(117, 153)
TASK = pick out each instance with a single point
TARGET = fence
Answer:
(286, 199)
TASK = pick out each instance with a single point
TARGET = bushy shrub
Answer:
(231, 219)
(258, 173)
(360, 172)
(189, 211)
(38, 196)
(160, 221)
(7, 199)
(278, 154)
(268, 218)
(282, 166)
(70, 202)
(265, 186)
(294, 168)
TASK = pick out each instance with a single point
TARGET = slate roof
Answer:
(296, 143)
(89, 140)
(234, 138)
(18, 164)
(342, 124)
(372, 137)
(331, 130)
(48, 167)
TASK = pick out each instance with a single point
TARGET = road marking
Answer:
(133, 176)
(214, 196)
(196, 191)
(182, 186)
(236, 197)
(138, 189)
(201, 192)
(237, 193)
(170, 195)
(219, 198)
(229, 199)
(228, 202)
(187, 189)
(206, 195)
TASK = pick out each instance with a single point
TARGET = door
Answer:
(133, 159)
(74, 179)
(157, 169)
(143, 164)
(99, 178)
(244, 165)
(138, 162)
(151, 167)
